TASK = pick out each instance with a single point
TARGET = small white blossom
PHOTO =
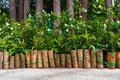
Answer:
(80, 16)
(48, 29)
(43, 10)
(71, 25)
(100, 6)
(118, 5)
(18, 24)
(67, 30)
(85, 10)
(0, 29)
(11, 28)
(11, 33)
(48, 14)
(105, 26)
(7, 23)
(65, 24)
(70, 19)
(118, 21)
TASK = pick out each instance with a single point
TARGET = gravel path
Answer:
(60, 74)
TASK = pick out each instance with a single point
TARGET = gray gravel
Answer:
(60, 74)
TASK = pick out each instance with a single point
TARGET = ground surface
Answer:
(60, 74)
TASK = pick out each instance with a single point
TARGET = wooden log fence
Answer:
(47, 59)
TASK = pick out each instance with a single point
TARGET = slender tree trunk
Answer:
(20, 10)
(57, 10)
(108, 3)
(85, 5)
(57, 6)
(70, 7)
(119, 15)
(13, 9)
(39, 6)
(26, 7)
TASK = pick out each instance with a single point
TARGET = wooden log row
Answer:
(47, 59)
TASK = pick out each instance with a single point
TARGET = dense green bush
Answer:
(37, 32)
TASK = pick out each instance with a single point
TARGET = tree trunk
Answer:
(57, 10)
(108, 3)
(39, 6)
(85, 6)
(20, 10)
(26, 7)
(12, 9)
(119, 15)
(70, 7)
(57, 6)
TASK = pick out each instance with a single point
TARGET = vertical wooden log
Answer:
(34, 59)
(6, 60)
(68, 61)
(1, 60)
(39, 6)
(87, 58)
(100, 59)
(85, 6)
(20, 10)
(57, 60)
(23, 65)
(11, 63)
(62, 60)
(70, 7)
(118, 59)
(93, 59)
(51, 58)
(12, 4)
(17, 61)
(111, 60)
(74, 58)
(39, 65)
(27, 57)
(26, 8)
(45, 59)
(80, 58)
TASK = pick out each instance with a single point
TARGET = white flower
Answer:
(48, 29)
(70, 19)
(85, 10)
(18, 24)
(80, 16)
(100, 6)
(105, 26)
(7, 23)
(118, 5)
(67, 30)
(43, 10)
(0, 29)
(118, 21)
(65, 24)
(11, 33)
(71, 25)
(11, 28)
(48, 14)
